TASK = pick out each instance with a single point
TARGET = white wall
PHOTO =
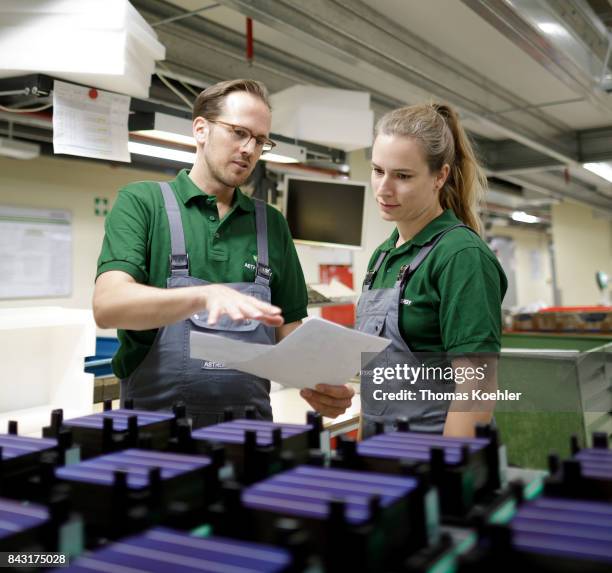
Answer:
(532, 266)
(582, 245)
(376, 230)
(51, 182)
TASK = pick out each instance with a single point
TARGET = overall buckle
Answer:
(404, 273)
(368, 278)
(179, 262)
(264, 271)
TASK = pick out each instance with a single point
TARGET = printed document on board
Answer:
(318, 352)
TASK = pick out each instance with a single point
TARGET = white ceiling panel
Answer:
(579, 115)
(460, 32)
(448, 24)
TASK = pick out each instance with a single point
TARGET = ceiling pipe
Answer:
(249, 41)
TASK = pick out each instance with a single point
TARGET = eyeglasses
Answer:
(243, 135)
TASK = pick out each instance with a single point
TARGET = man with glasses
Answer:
(195, 253)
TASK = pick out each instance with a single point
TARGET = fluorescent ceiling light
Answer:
(604, 170)
(552, 29)
(523, 217)
(18, 149)
(285, 153)
(161, 152)
(166, 128)
(167, 136)
(269, 156)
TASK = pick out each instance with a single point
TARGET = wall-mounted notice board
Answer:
(35, 252)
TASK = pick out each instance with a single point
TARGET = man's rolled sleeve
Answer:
(124, 247)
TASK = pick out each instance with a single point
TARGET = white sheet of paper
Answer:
(318, 352)
(335, 289)
(90, 127)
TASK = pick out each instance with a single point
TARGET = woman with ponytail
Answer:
(434, 288)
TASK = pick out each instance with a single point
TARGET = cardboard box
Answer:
(524, 321)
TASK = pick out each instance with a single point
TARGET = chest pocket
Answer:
(371, 324)
(224, 324)
(199, 321)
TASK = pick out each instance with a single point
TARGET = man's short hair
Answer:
(209, 104)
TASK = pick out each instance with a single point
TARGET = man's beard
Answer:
(221, 178)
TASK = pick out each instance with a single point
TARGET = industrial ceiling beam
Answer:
(508, 20)
(208, 52)
(350, 30)
(579, 18)
(554, 184)
(595, 144)
(508, 156)
(198, 48)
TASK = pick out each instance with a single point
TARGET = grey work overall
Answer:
(378, 314)
(168, 374)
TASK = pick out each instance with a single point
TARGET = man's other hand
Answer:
(329, 400)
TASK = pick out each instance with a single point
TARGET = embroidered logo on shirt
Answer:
(211, 365)
(251, 266)
(405, 301)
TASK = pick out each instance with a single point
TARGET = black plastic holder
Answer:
(25, 460)
(381, 543)
(463, 487)
(113, 510)
(107, 437)
(252, 462)
(586, 475)
(53, 527)
(495, 551)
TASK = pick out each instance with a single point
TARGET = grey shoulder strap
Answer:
(179, 260)
(408, 270)
(369, 278)
(264, 272)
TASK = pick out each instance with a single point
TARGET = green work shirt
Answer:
(452, 303)
(137, 242)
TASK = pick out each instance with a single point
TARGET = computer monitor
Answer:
(325, 212)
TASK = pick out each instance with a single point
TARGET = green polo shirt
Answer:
(137, 242)
(452, 303)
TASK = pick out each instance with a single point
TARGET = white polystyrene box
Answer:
(72, 39)
(334, 127)
(296, 96)
(86, 51)
(42, 366)
(66, 17)
(135, 81)
(336, 118)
